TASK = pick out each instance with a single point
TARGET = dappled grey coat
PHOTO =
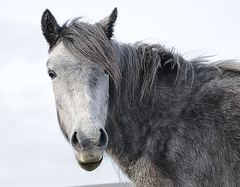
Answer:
(171, 122)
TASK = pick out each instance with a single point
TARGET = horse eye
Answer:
(106, 72)
(52, 74)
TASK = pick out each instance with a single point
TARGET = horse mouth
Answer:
(89, 166)
(89, 158)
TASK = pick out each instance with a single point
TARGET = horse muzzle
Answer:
(89, 149)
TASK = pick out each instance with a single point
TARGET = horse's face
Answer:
(81, 92)
(80, 84)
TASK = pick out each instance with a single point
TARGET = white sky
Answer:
(33, 150)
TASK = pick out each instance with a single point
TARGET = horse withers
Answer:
(165, 121)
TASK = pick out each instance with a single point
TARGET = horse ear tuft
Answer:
(108, 23)
(50, 27)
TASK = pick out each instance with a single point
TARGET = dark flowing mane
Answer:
(132, 67)
(149, 62)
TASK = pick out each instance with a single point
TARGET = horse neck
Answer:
(147, 93)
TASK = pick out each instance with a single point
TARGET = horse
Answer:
(165, 121)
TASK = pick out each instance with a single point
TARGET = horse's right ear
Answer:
(50, 27)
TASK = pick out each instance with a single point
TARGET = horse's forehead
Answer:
(59, 51)
(59, 54)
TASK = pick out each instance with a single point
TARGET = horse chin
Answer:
(89, 166)
(89, 160)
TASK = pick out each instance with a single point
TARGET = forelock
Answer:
(91, 42)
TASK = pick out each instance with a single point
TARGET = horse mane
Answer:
(148, 61)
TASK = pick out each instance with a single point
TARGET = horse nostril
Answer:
(74, 141)
(103, 140)
(80, 142)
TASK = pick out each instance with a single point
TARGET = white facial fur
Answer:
(81, 92)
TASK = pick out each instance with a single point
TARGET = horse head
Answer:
(80, 84)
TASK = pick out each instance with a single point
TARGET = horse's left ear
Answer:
(108, 23)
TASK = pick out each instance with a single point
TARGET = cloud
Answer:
(20, 40)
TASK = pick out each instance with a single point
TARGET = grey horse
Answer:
(166, 121)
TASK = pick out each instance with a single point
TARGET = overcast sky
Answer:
(33, 152)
